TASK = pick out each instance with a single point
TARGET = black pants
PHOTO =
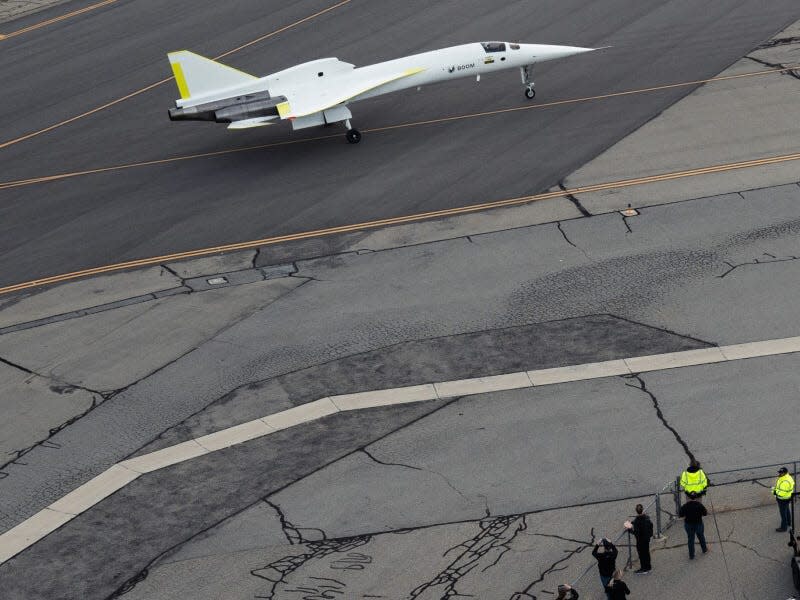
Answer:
(643, 549)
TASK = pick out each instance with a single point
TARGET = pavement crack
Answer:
(171, 271)
(626, 223)
(785, 41)
(791, 72)
(570, 242)
(58, 387)
(389, 464)
(642, 386)
(556, 566)
(257, 253)
(47, 442)
(291, 531)
(581, 208)
(277, 572)
(484, 551)
(425, 470)
(771, 258)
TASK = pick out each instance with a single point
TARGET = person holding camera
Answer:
(606, 562)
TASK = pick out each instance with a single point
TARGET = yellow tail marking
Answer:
(180, 79)
(283, 109)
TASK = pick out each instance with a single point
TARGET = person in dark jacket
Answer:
(642, 530)
(606, 562)
(567, 592)
(617, 589)
(692, 513)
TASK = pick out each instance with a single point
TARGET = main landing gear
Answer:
(527, 73)
(353, 135)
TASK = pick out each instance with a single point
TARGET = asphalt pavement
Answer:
(489, 495)
(74, 66)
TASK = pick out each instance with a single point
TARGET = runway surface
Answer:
(70, 67)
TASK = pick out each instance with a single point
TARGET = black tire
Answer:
(353, 136)
(530, 93)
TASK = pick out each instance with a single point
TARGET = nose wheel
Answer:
(526, 73)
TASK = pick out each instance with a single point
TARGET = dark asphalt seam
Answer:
(83, 312)
(792, 73)
(184, 288)
(581, 208)
(664, 330)
(257, 254)
(643, 388)
(733, 267)
(171, 271)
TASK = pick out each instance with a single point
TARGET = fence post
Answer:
(658, 516)
(630, 552)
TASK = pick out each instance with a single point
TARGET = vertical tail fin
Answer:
(197, 75)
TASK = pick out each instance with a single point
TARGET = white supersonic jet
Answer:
(319, 92)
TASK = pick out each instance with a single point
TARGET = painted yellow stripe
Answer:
(133, 94)
(449, 212)
(58, 177)
(284, 109)
(180, 79)
(56, 19)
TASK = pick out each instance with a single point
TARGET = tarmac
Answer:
(487, 495)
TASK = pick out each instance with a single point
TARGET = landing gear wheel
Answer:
(353, 136)
(530, 93)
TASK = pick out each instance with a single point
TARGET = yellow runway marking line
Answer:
(448, 212)
(161, 161)
(33, 134)
(74, 13)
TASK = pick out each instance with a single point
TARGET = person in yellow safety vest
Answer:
(693, 479)
(784, 490)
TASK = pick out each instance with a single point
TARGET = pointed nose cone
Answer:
(543, 52)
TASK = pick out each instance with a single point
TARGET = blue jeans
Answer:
(697, 529)
(784, 508)
(605, 581)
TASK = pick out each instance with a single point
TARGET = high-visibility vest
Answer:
(784, 487)
(694, 482)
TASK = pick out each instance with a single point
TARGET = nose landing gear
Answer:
(526, 73)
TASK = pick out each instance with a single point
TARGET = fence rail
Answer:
(673, 489)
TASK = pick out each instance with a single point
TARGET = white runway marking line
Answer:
(30, 531)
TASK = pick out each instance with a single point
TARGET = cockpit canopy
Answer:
(494, 46)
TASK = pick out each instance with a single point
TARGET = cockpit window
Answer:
(494, 46)
(514, 46)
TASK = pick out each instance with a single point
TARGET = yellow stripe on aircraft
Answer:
(283, 109)
(180, 79)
